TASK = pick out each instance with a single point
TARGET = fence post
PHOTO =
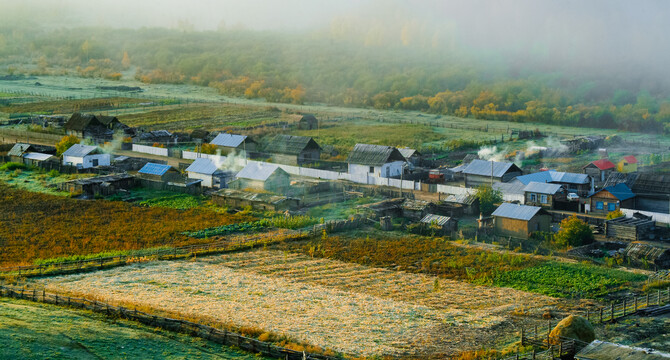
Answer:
(601, 315)
(635, 303)
(624, 307)
(522, 336)
(612, 313)
(659, 297)
(647, 302)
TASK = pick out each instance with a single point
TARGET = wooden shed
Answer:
(642, 253)
(293, 150)
(611, 198)
(520, 221)
(631, 229)
(482, 172)
(258, 201)
(94, 126)
(599, 170)
(308, 122)
(446, 223)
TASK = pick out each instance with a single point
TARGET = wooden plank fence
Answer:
(628, 306)
(157, 254)
(177, 325)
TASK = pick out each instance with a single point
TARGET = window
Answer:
(532, 197)
(611, 206)
(94, 162)
(543, 199)
(599, 205)
(372, 169)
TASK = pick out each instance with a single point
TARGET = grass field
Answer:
(38, 181)
(39, 331)
(43, 226)
(70, 106)
(341, 306)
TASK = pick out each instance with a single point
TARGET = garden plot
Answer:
(345, 307)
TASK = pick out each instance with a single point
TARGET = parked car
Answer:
(573, 197)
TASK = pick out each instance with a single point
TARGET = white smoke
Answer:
(491, 153)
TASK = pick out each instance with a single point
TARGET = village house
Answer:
(652, 190)
(229, 143)
(375, 160)
(580, 184)
(627, 165)
(308, 122)
(262, 176)
(159, 172)
(211, 176)
(293, 150)
(599, 170)
(156, 137)
(411, 156)
(94, 126)
(543, 194)
(85, 156)
(611, 198)
(18, 152)
(482, 172)
(520, 221)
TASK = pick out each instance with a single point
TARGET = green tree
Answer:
(574, 232)
(488, 198)
(65, 143)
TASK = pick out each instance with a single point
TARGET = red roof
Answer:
(630, 159)
(603, 164)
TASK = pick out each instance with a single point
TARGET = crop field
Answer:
(70, 106)
(42, 226)
(439, 257)
(347, 307)
(38, 181)
(31, 331)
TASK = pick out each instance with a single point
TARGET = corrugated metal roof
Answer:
(291, 145)
(542, 188)
(620, 191)
(79, 150)
(258, 171)
(512, 187)
(203, 166)
(37, 156)
(554, 176)
(408, 153)
(483, 168)
(374, 155)
(514, 211)
(465, 199)
(605, 350)
(228, 140)
(602, 164)
(18, 149)
(154, 169)
(436, 219)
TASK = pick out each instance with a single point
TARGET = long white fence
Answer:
(658, 217)
(150, 150)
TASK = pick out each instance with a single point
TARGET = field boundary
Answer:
(157, 255)
(223, 337)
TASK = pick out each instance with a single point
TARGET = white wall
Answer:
(394, 169)
(658, 217)
(150, 150)
(87, 161)
(206, 179)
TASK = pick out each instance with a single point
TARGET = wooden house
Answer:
(375, 160)
(652, 190)
(308, 122)
(543, 194)
(520, 221)
(293, 150)
(599, 170)
(93, 126)
(611, 198)
(445, 223)
(211, 176)
(85, 156)
(159, 172)
(262, 176)
(482, 172)
(627, 165)
(229, 143)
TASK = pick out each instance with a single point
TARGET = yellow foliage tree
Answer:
(126, 60)
(65, 143)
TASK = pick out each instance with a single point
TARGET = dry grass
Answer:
(346, 307)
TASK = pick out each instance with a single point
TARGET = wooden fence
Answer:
(194, 329)
(628, 306)
(157, 254)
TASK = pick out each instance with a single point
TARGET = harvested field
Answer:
(346, 307)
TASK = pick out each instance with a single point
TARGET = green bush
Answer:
(53, 173)
(10, 166)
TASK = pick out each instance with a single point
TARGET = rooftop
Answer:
(252, 196)
(154, 169)
(79, 150)
(291, 145)
(630, 159)
(542, 188)
(258, 171)
(483, 168)
(408, 153)
(620, 191)
(18, 149)
(203, 166)
(554, 176)
(437, 219)
(37, 156)
(602, 164)
(515, 211)
(228, 140)
(374, 155)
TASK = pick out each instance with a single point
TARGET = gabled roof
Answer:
(291, 145)
(203, 166)
(408, 153)
(79, 122)
(154, 169)
(483, 167)
(374, 155)
(310, 118)
(542, 188)
(602, 164)
(79, 150)
(228, 140)
(644, 184)
(512, 187)
(620, 191)
(37, 156)
(554, 176)
(518, 212)
(630, 159)
(258, 171)
(19, 149)
(437, 219)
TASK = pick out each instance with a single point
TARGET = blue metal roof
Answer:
(483, 168)
(514, 211)
(154, 169)
(553, 176)
(620, 191)
(79, 150)
(228, 140)
(203, 166)
(542, 188)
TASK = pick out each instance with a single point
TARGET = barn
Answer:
(85, 156)
(375, 160)
(93, 126)
(482, 172)
(293, 150)
(520, 221)
(262, 176)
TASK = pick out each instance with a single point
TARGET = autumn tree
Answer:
(126, 60)
(65, 143)
(614, 214)
(208, 149)
(488, 198)
(574, 232)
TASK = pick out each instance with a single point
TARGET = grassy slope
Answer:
(32, 331)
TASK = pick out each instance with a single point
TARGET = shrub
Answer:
(53, 173)
(614, 214)
(11, 166)
(574, 232)
(488, 197)
(65, 143)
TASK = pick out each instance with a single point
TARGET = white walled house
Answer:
(204, 169)
(85, 156)
(376, 160)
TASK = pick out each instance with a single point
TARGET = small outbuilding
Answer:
(159, 172)
(482, 172)
(599, 170)
(263, 176)
(612, 198)
(93, 126)
(446, 223)
(308, 122)
(520, 221)
(412, 156)
(293, 150)
(627, 165)
(19, 150)
(258, 201)
(85, 156)
(211, 176)
(375, 160)
(229, 143)
(643, 253)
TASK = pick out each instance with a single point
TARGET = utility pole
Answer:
(491, 173)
